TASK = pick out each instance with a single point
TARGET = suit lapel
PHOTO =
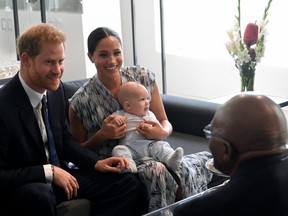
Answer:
(27, 115)
(29, 120)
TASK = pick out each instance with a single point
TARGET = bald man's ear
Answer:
(228, 151)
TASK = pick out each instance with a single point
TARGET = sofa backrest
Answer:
(70, 87)
(186, 115)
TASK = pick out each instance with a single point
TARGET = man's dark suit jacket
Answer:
(22, 152)
(260, 187)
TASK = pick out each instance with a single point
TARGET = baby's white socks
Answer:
(132, 166)
(174, 161)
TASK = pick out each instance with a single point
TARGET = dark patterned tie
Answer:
(53, 154)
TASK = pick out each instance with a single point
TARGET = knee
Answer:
(133, 180)
(42, 193)
(34, 199)
(121, 150)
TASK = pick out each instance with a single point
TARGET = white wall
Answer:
(72, 25)
(97, 13)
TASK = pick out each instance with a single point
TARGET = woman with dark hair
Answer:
(90, 115)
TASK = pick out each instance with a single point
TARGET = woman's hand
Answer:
(112, 164)
(152, 130)
(110, 130)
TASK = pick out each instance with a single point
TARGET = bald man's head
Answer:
(247, 126)
(251, 122)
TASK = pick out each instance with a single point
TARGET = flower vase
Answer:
(247, 74)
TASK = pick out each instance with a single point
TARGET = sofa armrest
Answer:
(188, 115)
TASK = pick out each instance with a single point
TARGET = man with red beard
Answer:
(33, 150)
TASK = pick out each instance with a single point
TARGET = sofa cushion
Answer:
(74, 208)
(190, 143)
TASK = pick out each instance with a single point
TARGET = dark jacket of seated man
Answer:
(29, 183)
(247, 139)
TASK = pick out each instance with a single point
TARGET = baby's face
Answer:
(139, 105)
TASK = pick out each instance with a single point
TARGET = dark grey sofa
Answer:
(188, 117)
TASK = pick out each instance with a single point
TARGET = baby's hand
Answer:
(118, 120)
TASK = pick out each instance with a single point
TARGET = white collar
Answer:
(34, 96)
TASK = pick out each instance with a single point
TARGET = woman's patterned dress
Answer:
(93, 103)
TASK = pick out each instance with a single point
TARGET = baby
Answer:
(133, 98)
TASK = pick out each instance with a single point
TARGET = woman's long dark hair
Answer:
(97, 35)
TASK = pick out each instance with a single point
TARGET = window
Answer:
(195, 32)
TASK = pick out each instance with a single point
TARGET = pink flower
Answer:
(250, 35)
(252, 54)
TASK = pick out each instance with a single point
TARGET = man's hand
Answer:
(66, 181)
(112, 164)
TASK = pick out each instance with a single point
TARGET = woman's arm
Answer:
(107, 131)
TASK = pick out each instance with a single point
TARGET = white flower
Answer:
(236, 47)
